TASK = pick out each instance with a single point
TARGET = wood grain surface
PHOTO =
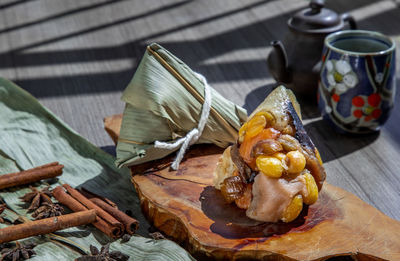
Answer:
(76, 57)
(184, 205)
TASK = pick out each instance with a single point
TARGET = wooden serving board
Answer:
(186, 207)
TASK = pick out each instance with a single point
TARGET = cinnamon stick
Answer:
(55, 163)
(47, 225)
(90, 195)
(131, 224)
(74, 205)
(90, 205)
(67, 200)
(47, 171)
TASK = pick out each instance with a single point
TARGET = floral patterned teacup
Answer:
(357, 83)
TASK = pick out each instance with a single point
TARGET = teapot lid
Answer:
(316, 19)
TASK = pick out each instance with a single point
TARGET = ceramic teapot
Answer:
(296, 60)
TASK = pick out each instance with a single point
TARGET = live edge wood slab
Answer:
(186, 207)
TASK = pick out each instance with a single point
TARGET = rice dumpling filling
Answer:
(268, 171)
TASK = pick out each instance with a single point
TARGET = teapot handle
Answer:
(350, 19)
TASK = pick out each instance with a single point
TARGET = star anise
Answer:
(125, 238)
(156, 235)
(17, 252)
(48, 210)
(37, 197)
(103, 255)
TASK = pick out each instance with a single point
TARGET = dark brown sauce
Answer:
(232, 222)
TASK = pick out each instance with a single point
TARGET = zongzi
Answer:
(164, 102)
(274, 167)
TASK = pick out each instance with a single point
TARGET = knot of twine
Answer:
(193, 135)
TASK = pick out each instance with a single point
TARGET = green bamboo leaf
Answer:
(30, 136)
(10, 216)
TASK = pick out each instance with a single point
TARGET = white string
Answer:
(193, 135)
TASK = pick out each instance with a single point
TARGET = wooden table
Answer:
(76, 57)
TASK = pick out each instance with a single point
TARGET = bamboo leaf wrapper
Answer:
(164, 102)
